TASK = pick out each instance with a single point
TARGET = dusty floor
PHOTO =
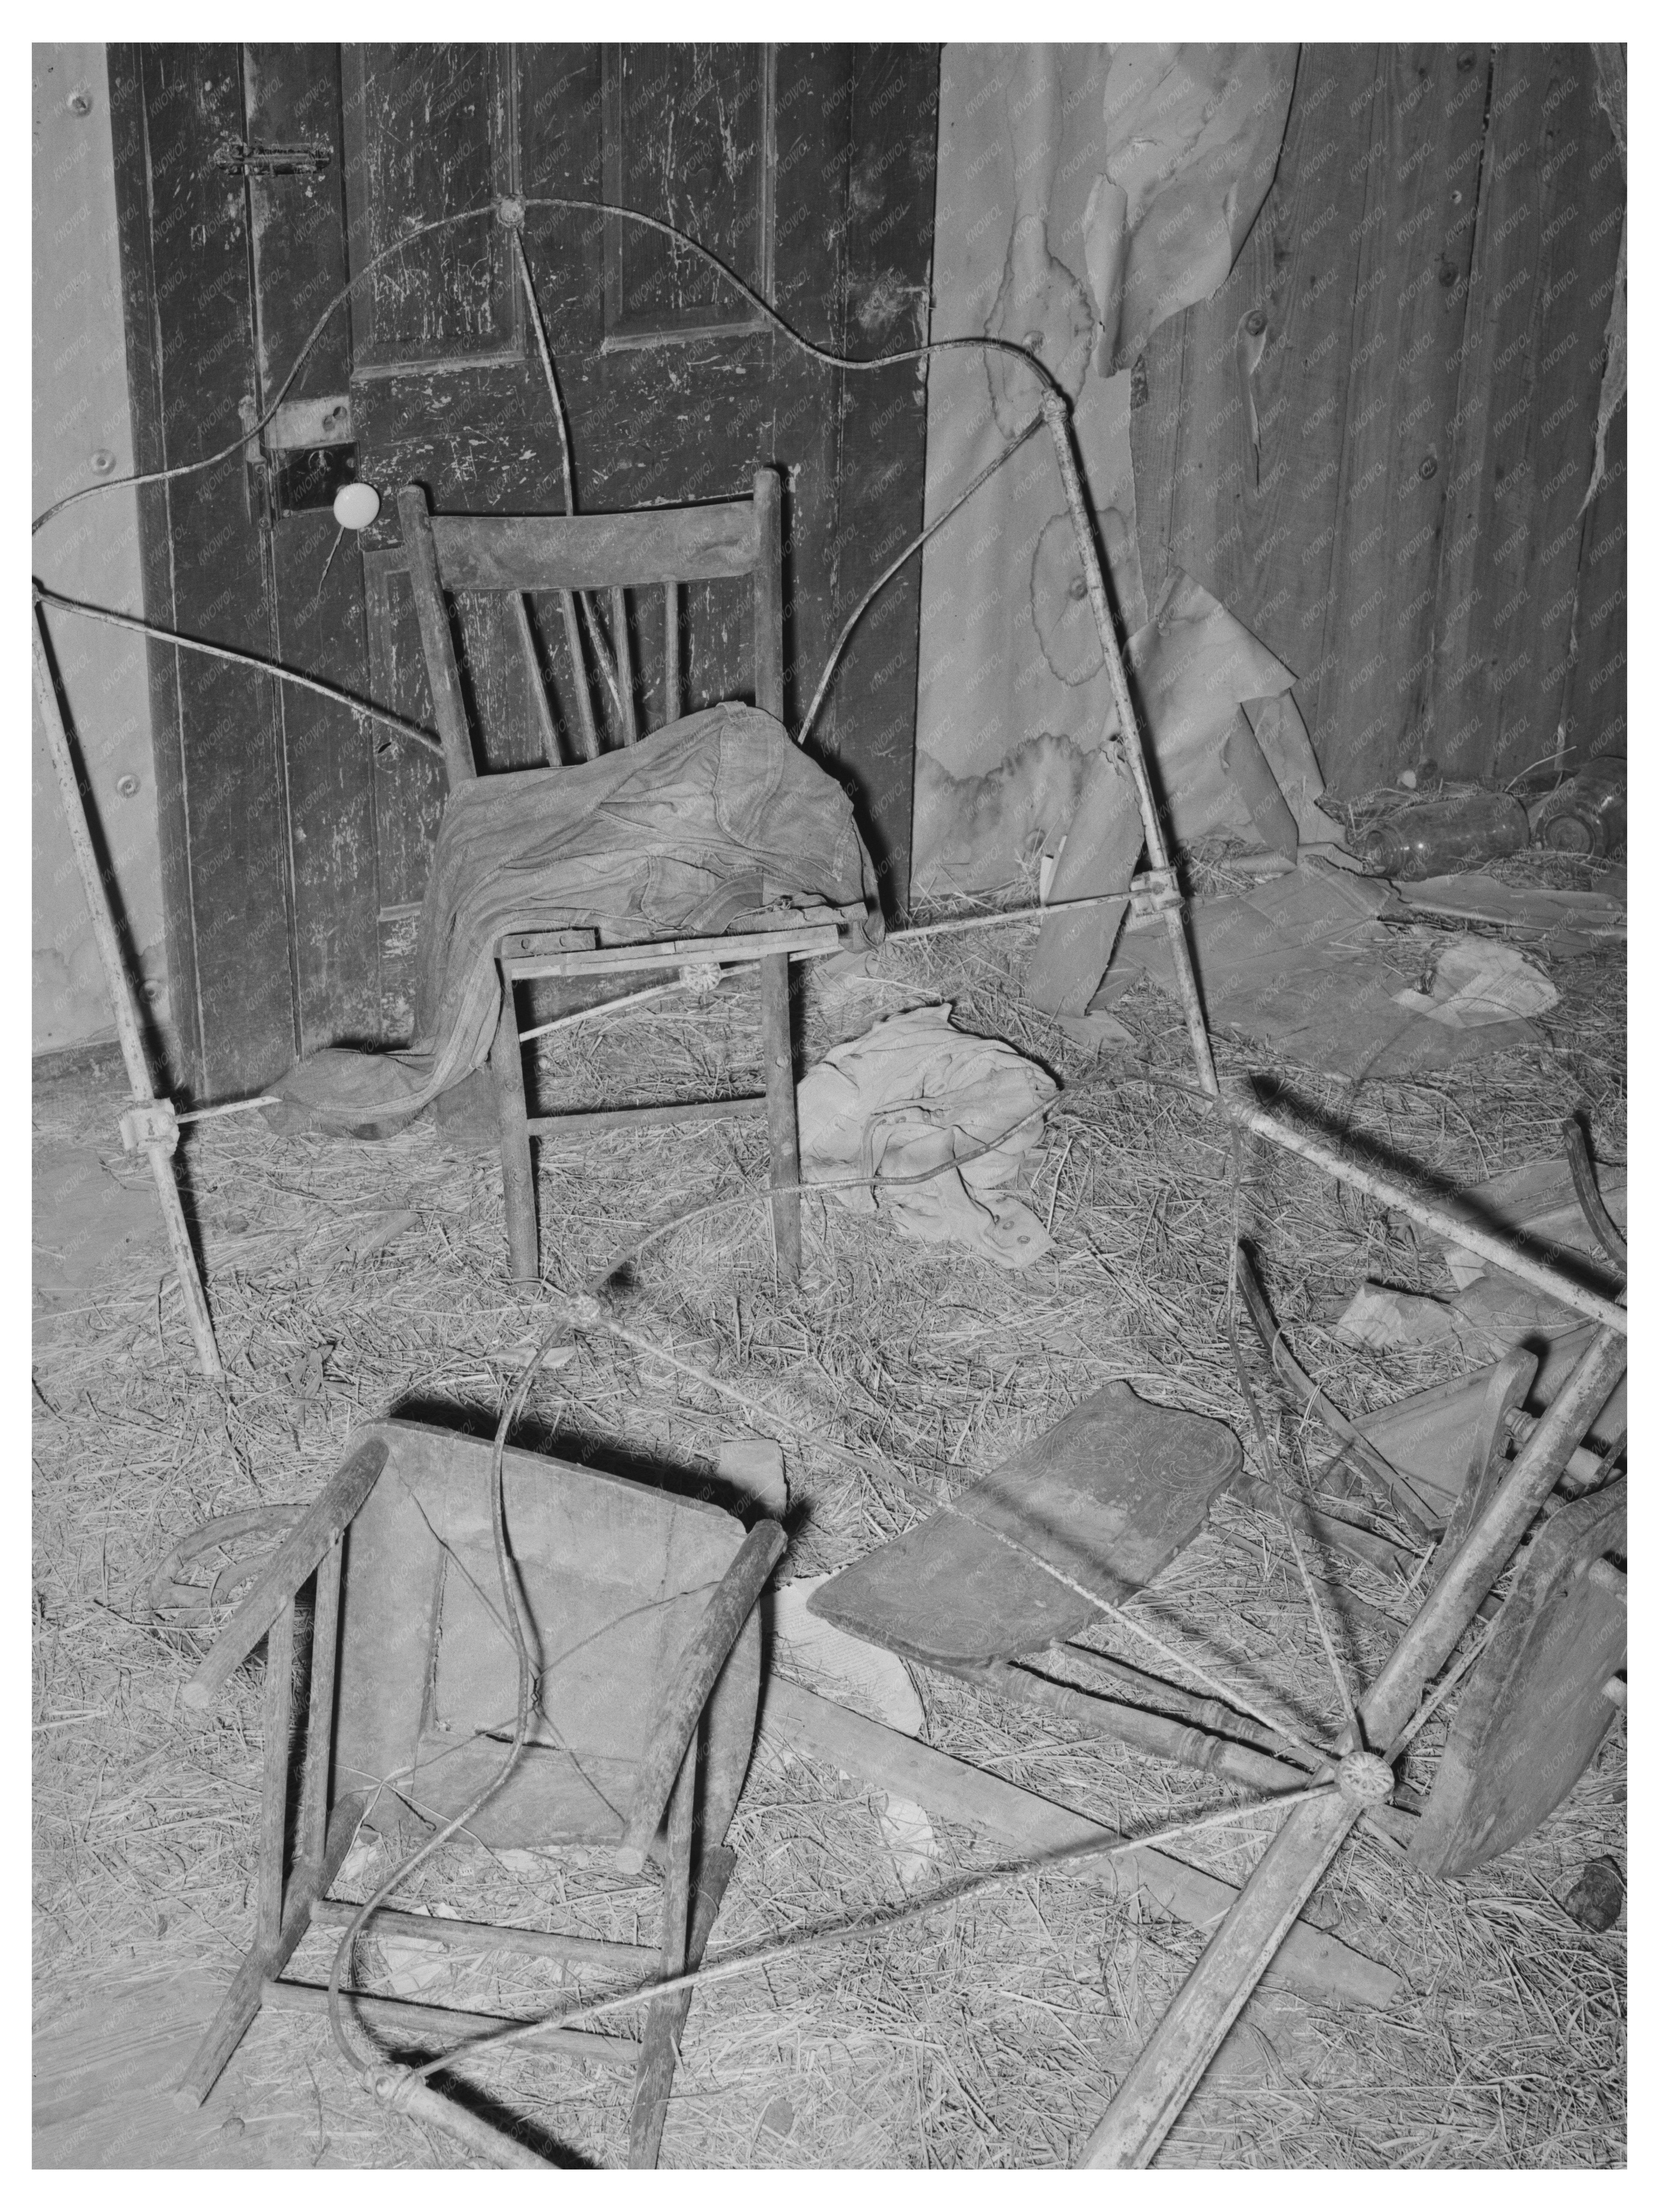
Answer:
(348, 1280)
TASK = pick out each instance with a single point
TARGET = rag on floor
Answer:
(714, 820)
(911, 1094)
(1477, 983)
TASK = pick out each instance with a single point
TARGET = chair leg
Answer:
(778, 1052)
(518, 1175)
(263, 1962)
(655, 2077)
(666, 2021)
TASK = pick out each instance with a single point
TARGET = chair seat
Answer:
(615, 1576)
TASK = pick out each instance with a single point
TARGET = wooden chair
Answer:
(569, 555)
(643, 1605)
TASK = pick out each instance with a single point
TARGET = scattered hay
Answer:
(893, 1375)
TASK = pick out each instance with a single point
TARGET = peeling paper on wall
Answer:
(1085, 193)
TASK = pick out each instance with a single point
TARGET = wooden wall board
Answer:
(1255, 521)
(1523, 431)
(868, 733)
(1413, 332)
(1593, 715)
(131, 159)
(1413, 276)
(326, 757)
(218, 757)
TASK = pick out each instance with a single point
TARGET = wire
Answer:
(411, 733)
(509, 213)
(1126, 1620)
(511, 1599)
(727, 1969)
(893, 567)
(244, 438)
(832, 360)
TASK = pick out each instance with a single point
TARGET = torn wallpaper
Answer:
(1085, 193)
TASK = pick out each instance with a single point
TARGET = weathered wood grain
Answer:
(218, 759)
(1373, 442)
(297, 238)
(430, 130)
(1524, 432)
(498, 553)
(1411, 281)
(1593, 715)
(870, 738)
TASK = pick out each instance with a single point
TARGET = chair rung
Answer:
(451, 2021)
(485, 1935)
(644, 1117)
(673, 952)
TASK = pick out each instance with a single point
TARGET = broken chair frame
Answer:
(292, 1892)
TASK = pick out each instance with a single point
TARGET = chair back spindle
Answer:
(567, 556)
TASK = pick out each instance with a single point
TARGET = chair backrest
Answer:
(571, 557)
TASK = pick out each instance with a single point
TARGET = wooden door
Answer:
(255, 182)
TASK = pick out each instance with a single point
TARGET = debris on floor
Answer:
(925, 1370)
(1305, 964)
(913, 1094)
(1101, 1502)
(1564, 925)
(1386, 1319)
(1476, 983)
(1597, 1898)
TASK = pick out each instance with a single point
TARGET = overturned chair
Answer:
(563, 560)
(647, 1679)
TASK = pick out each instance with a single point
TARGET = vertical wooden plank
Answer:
(892, 154)
(1253, 517)
(220, 789)
(141, 316)
(1594, 717)
(769, 595)
(297, 240)
(1529, 379)
(1411, 282)
(673, 684)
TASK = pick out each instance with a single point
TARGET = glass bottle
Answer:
(1442, 835)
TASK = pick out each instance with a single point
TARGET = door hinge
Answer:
(235, 157)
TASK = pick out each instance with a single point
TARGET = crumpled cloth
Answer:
(1478, 982)
(716, 818)
(910, 1094)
